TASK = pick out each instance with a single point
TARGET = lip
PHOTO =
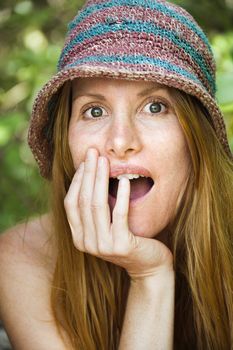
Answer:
(132, 202)
(116, 170)
(120, 169)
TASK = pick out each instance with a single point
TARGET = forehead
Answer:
(108, 85)
(115, 88)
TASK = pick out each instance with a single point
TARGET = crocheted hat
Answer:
(151, 40)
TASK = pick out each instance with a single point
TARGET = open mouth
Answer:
(138, 187)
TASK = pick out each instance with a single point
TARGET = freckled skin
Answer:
(128, 132)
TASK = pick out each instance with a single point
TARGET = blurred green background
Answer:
(31, 37)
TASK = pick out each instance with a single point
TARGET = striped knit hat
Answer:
(151, 40)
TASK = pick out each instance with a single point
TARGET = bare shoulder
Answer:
(32, 243)
(27, 261)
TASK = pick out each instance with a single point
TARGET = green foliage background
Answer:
(31, 36)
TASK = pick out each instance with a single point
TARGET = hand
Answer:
(88, 214)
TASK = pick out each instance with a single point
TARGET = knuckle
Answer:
(88, 167)
(97, 205)
(104, 249)
(76, 179)
(99, 177)
(68, 202)
(78, 245)
(118, 215)
(121, 251)
(84, 200)
(89, 246)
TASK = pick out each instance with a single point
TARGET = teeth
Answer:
(130, 176)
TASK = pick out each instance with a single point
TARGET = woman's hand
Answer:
(88, 214)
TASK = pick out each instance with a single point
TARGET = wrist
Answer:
(162, 271)
(162, 278)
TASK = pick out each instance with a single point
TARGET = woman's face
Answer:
(128, 124)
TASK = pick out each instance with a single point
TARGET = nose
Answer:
(123, 139)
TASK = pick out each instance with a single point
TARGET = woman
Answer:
(140, 261)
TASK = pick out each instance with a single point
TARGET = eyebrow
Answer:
(141, 94)
(100, 97)
(152, 89)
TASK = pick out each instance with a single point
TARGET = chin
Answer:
(143, 228)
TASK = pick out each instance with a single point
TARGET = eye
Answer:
(156, 107)
(94, 112)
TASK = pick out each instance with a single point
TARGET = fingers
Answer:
(71, 207)
(120, 231)
(100, 207)
(85, 201)
(121, 209)
(86, 205)
(88, 212)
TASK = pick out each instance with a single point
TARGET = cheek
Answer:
(175, 159)
(173, 171)
(80, 139)
(175, 184)
(78, 144)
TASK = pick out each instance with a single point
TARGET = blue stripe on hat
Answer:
(153, 5)
(146, 27)
(131, 59)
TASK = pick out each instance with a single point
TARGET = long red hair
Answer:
(88, 295)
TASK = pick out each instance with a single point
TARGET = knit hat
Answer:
(152, 40)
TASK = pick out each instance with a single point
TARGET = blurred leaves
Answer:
(223, 51)
(31, 36)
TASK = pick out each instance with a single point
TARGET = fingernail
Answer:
(92, 153)
(101, 161)
(124, 178)
(89, 152)
(81, 166)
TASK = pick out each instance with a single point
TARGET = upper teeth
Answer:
(130, 176)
